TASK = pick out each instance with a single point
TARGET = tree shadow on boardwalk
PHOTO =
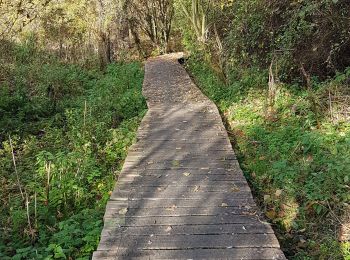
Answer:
(181, 193)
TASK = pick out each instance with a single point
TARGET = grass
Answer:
(299, 173)
(70, 128)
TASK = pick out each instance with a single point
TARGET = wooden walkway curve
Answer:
(181, 193)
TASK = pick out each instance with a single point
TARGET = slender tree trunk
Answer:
(104, 49)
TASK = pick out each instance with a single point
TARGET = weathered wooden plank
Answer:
(204, 170)
(174, 164)
(168, 170)
(156, 157)
(183, 145)
(216, 187)
(193, 143)
(174, 211)
(182, 203)
(179, 134)
(191, 172)
(180, 193)
(180, 220)
(174, 242)
(192, 179)
(159, 182)
(182, 127)
(227, 253)
(183, 133)
(176, 155)
(190, 230)
(181, 121)
(176, 172)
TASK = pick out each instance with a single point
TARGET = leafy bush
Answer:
(312, 33)
(292, 34)
(68, 129)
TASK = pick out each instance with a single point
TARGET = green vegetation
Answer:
(67, 130)
(279, 71)
(300, 173)
(70, 103)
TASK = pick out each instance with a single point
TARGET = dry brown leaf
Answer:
(271, 214)
(123, 211)
(278, 193)
(168, 229)
(172, 208)
(196, 188)
(267, 198)
(235, 189)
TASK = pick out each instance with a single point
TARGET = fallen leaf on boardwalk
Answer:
(235, 189)
(175, 163)
(172, 208)
(196, 188)
(123, 211)
(224, 205)
(248, 213)
(168, 229)
(186, 174)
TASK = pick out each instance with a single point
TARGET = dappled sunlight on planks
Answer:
(181, 193)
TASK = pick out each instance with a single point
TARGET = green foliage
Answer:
(312, 33)
(197, 17)
(299, 172)
(70, 130)
(294, 152)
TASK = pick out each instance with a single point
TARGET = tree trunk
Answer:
(104, 50)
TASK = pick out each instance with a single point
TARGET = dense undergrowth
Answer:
(300, 173)
(64, 134)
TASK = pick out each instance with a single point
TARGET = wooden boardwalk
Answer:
(181, 193)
